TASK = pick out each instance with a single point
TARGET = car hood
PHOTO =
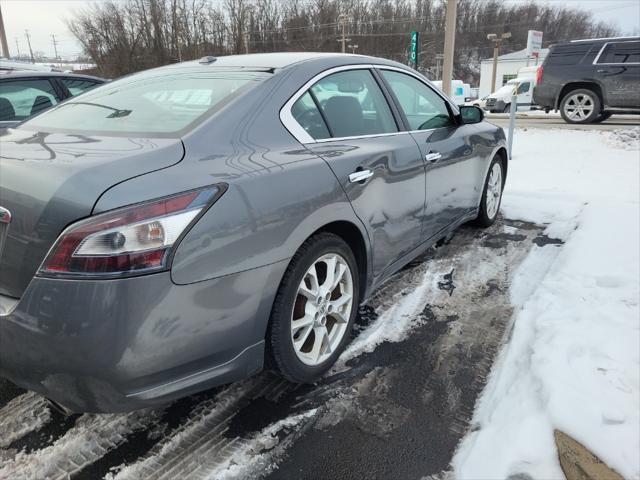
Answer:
(49, 180)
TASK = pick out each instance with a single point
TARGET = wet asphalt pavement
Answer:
(395, 406)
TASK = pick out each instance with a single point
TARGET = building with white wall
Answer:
(508, 66)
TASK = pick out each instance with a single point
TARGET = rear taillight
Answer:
(127, 241)
(539, 75)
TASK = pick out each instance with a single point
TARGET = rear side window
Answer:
(19, 99)
(156, 102)
(620, 52)
(568, 54)
(353, 104)
(77, 86)
(309, 117)
(423, 108)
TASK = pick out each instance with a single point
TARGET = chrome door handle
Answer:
(432, 156)
(360, 176)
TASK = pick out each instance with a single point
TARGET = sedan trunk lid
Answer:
(49, 180)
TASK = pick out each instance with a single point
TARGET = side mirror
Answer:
(471, 114)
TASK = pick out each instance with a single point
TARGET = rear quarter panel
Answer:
(278, 193)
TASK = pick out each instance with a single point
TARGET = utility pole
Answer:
(247, 33)
(353, 48)
(17, 47)
(449, 44)
(3, 37)
(26, 33)
(55, 46)
(343, 19)
(439, 58)
(497, 41)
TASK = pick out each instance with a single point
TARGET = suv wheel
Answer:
(580, 106)
(314, 310)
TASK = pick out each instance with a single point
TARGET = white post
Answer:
(512, 122)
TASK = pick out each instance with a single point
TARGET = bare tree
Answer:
(129, 35)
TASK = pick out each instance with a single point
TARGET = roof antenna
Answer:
(207, 59)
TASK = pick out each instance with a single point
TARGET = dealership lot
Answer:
(405, 392)
(442, 311)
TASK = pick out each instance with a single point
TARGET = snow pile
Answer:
(629, 138)
(573, 362)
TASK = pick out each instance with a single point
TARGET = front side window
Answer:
(524, 87)
(421, 105)
(77, 86)
(19, 99)
(149, 103)
(353, 104)
(621, 52)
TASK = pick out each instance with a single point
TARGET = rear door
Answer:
(20, 98)
(352, 127)
(453, 168)
(618, 68)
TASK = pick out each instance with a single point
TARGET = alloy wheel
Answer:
(494, 190)
(579, 107)
(322, 309)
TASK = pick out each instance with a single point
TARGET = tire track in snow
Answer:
(89, 439)
(23, 414)
(201, 445)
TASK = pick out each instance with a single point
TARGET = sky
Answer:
(44, 18)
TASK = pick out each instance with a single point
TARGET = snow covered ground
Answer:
(573, 361)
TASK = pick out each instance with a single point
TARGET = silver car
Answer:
(182, 227)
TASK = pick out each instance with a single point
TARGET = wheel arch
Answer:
(576, 85)
(504, 160)
(353, 237)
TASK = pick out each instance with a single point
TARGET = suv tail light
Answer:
(128, 241)
(539, 75)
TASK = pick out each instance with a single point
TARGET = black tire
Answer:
(281, 355)
(507, 108)
(484, 219)
(602, 117)
(594, 100)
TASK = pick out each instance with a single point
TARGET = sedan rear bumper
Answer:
(118, 345)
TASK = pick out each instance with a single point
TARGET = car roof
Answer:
(36, 74)
(279, 60)
(603, 40)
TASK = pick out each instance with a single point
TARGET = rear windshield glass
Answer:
(153, 102)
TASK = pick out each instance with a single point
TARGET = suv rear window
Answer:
(620, 52)
(165, 102)
(568, 54)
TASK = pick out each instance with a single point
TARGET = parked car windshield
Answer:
(154, 102)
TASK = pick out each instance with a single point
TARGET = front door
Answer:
(524, 95)
(380, 168)
(453, 167)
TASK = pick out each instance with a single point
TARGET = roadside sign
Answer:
(534, 43)
(414, 48)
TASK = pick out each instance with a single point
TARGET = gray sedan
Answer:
(183, 227)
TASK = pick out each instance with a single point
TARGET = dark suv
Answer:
(589, 80)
